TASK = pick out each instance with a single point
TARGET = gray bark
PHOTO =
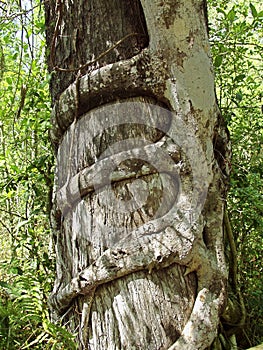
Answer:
(140, 179)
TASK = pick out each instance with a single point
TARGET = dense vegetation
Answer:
(26, 166)
(236, 40)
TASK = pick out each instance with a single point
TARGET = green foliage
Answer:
(26, 165)
(24, 320)
(236, 38)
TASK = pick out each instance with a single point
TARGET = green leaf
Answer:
(16, 270)
(240, 77)
(231, 15)
(218, 61)
(239, 96)
(253, 10)
(4, 284)
(9, 80)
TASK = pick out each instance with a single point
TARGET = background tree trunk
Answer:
(149, 273)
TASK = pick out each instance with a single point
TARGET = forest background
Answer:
(27, 260)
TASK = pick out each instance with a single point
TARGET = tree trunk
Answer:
(140, 176)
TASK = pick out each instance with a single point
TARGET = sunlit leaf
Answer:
(231, 15)
(253, 10)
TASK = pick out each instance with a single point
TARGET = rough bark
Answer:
(140, 179)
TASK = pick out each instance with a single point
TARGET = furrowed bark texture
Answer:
(140, 177)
